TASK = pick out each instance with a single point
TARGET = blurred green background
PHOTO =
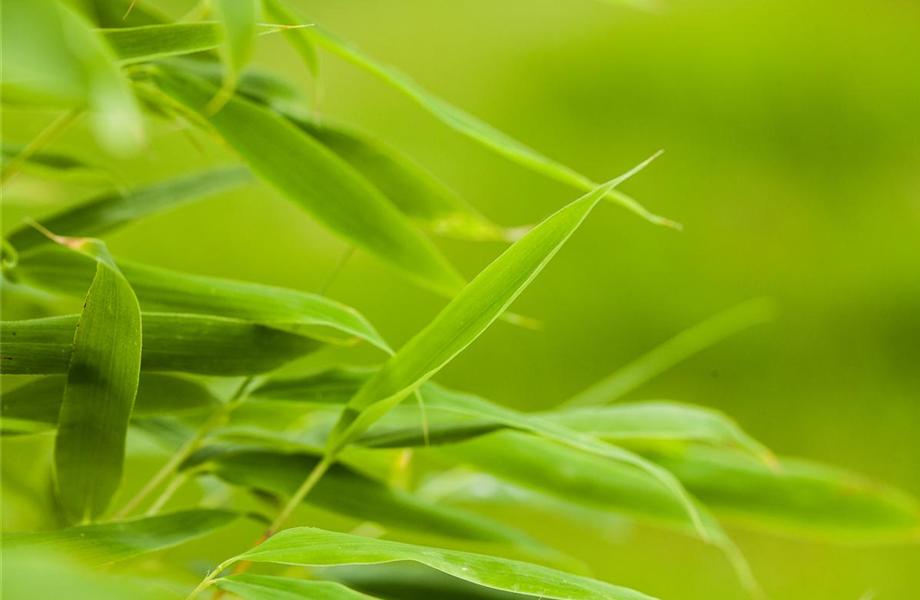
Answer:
(792, 132)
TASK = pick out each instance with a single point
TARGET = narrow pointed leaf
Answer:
(157, 394)
(172, 342)
(299, 40)
(315, 547)
(263, 587)
(470, 126)
(318, 181)
(113, 210)
(54, 163)
(102, 379)
(165, 290)
(346, 491)
(677, 349)
(799, 498)
(155, 41)
(463, 320)
(105, 543)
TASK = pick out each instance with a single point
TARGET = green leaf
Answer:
(262, 587)
(102, 380)
(238, 19)
(318, 181)
(297, 38)
(346, 491)
(57, 164)
(105, 543)
(677, 349)
(157, 394)
(155, 41)
(470, 126)
(113, 210)
(41, 574)
(799, 498)
(164, 290)
(422, 197)
(315, 547)
(463, 320)
(172, 342)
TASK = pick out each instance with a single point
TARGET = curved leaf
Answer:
(102, 378)
(315, 547)
(318, 181)
(155, 41)
(105, 543)
(263, 587)
(172, 342)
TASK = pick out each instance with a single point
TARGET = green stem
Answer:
(217, 418)
(308, 484)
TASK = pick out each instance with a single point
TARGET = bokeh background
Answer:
(792, 138)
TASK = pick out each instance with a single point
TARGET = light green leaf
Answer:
(152, 42)
(53, 163)
(102, 380)
(41, 574)
(157, 394)
(677, 349)
(318, 181)
(172, 342)
(470, 126)
(425, 199)
(315, 547)
(113, 210)
(262, 587)
(463, 320)
(346, 491)
(105, 543)
(297, 38)
(164, 290)
(800, 498)
(238, 19)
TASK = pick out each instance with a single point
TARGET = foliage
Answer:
(194, 363)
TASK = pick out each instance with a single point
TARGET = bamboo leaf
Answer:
(238, 19)
(318, 181)
(262, 587)
(315, 547)
(799, 498)
(105, 543)
(113, 210)
(470, 126)
(346, 491)
(102, 380)
(157, 394)
(464, 319)
(295, 37)
(164, 290)
(53, 163)
(172, 342)
(422, 197)
(677, 349)
(155, 41)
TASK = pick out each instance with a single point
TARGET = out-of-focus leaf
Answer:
(56, 164)
(172, 342)
(113, 210)
(346, 491)
(165, 290)
(298, 39)
(102, 380)
(318, 181)
(411, 581)
(800, 498)
(463, 320)
(315, 547)
(151, 42)
(42, 574)
(470, 126)
(105, 543)
(262, 587)
(677, 349)
(157, 394)
(255, 84)
(238, 19)
(123, 13)
(418, 194)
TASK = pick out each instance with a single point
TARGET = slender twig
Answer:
(216, 419)
(47, 136)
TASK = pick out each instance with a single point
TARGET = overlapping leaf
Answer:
(262, 587)
(315, 547)
(172, 342)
